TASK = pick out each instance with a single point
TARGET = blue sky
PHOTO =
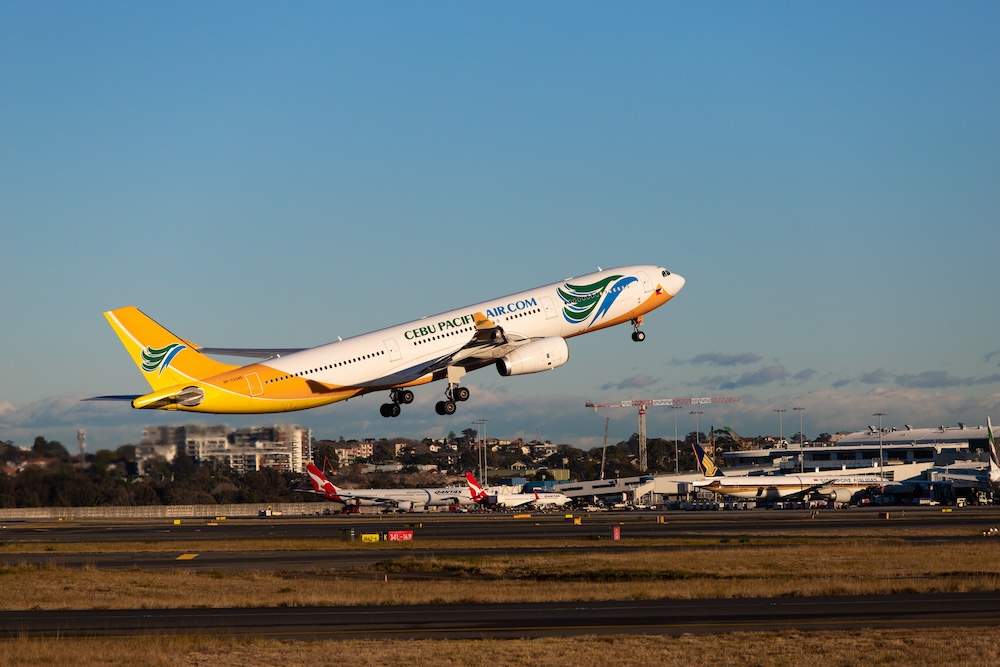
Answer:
(824, 175)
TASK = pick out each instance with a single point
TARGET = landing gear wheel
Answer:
(461, 394)
(404, 396)
(445, 407)
(390, 410)
(638, 336)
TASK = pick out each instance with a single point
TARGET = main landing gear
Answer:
(397, 396)
(637, 335)
(453, 394)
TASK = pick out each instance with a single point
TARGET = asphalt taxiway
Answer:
(461, 621)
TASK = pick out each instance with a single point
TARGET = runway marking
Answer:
(187, 557)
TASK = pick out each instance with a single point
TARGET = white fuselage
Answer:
(415, 498)
(784, 486)
(510, 500)
(378, 359)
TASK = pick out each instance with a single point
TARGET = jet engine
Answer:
(539, 355)
(835, 495)
(404, 505)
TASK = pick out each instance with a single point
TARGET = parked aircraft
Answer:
(989, 477)
(511, 500)
(836, 488)
(518, 334)
(406, 500)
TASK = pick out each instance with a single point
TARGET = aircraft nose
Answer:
(673, 283)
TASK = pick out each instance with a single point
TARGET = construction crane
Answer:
(643, 403)
(740, 441)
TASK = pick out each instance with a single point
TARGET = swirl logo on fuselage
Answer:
(158, 358)
(596, 298)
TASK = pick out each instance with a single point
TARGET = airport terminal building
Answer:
(925, 458)
(936, 446)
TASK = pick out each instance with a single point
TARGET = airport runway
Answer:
(500, 533)
(505, 527)
(665, 617)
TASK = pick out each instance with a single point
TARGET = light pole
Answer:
(481, 459)
(696, 434)
(802, 442)
(677, 464)
(781, 435)
(881, 468)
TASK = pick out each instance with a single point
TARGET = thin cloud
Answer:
(718, 359)
(922, 380)
(879, 376)
(764, 376)
(639, 381)
(941, 379)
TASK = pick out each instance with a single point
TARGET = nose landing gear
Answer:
(637, 335)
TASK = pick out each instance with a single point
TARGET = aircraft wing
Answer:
(515, 499)
(256, 353)
(454, 500)
(826, 483)
(346, 495)
(488, 342)
(964, 477)
(488, 336)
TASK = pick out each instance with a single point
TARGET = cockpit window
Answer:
(665, 273)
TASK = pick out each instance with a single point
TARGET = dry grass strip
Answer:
(730, 571)
(902, 648)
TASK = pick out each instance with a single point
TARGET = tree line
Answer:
(113, 477)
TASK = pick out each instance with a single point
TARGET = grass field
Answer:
(896, 648)
(734, 569)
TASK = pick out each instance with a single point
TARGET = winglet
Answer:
(483, 322)
(487, 331)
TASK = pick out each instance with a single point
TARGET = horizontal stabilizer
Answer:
(123, 397)
(172, 396)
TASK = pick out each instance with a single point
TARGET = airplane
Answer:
(838, 488)
(991, 476)
(406, 500)
(518, 334)
(511, 500)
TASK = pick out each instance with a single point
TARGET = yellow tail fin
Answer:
(164, 359)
